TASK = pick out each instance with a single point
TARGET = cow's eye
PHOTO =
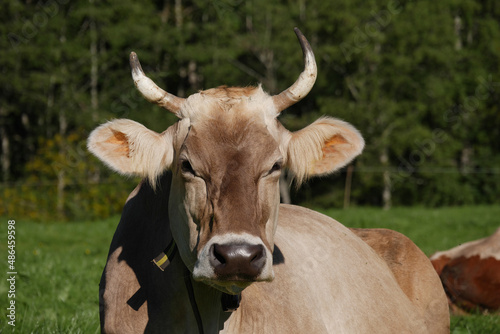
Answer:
(276, 167)
(187, 168)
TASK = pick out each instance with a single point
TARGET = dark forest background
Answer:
(419, 79)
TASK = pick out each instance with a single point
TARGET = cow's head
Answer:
(226, 154)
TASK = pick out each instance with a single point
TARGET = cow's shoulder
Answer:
(361, 260)
(141, 235)
(322, 258)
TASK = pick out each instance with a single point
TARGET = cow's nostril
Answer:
(237, 261)
(258, 255)
(218, 257)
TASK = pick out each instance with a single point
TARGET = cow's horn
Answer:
(150, 90)
(304, 83)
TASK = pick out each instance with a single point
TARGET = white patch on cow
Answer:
(485, 248)
(203, 270)
(257, 105)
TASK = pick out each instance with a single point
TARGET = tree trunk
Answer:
(5, 158)
(466, 159)
(178, 13)
(94, 69)
(458, 29)
(348, 183)
(94, 81)
(302, 10)
(61, 181)
(63, 128)
(194, 78)
(183, 73)
(386, 192)
(249, 17)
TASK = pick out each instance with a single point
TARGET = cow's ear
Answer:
(323, 147)
(130, 148)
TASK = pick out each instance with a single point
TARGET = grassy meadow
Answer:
(59, 264)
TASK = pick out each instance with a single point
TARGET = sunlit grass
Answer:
(431, 229)
(59, 267)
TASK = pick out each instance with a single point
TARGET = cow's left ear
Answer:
(322, 148)
(132, 149)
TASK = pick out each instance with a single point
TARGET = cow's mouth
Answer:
(233, 287)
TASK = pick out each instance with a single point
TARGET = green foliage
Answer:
(65, 182)
(418, 78)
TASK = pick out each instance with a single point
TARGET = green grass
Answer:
(431, 229)
(59, 264)
(59, 267)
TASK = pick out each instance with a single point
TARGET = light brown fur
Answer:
(405, 260)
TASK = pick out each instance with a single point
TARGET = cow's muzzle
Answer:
(237, 262)
(231, 262)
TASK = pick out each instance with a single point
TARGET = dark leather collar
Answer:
(229, 303)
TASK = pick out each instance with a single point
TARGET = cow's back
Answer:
(413, 272)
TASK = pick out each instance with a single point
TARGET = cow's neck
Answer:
(208, 302)
(181, 313)
(204, 300)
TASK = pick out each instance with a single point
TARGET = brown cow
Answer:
(211, 193)
(470, 274)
